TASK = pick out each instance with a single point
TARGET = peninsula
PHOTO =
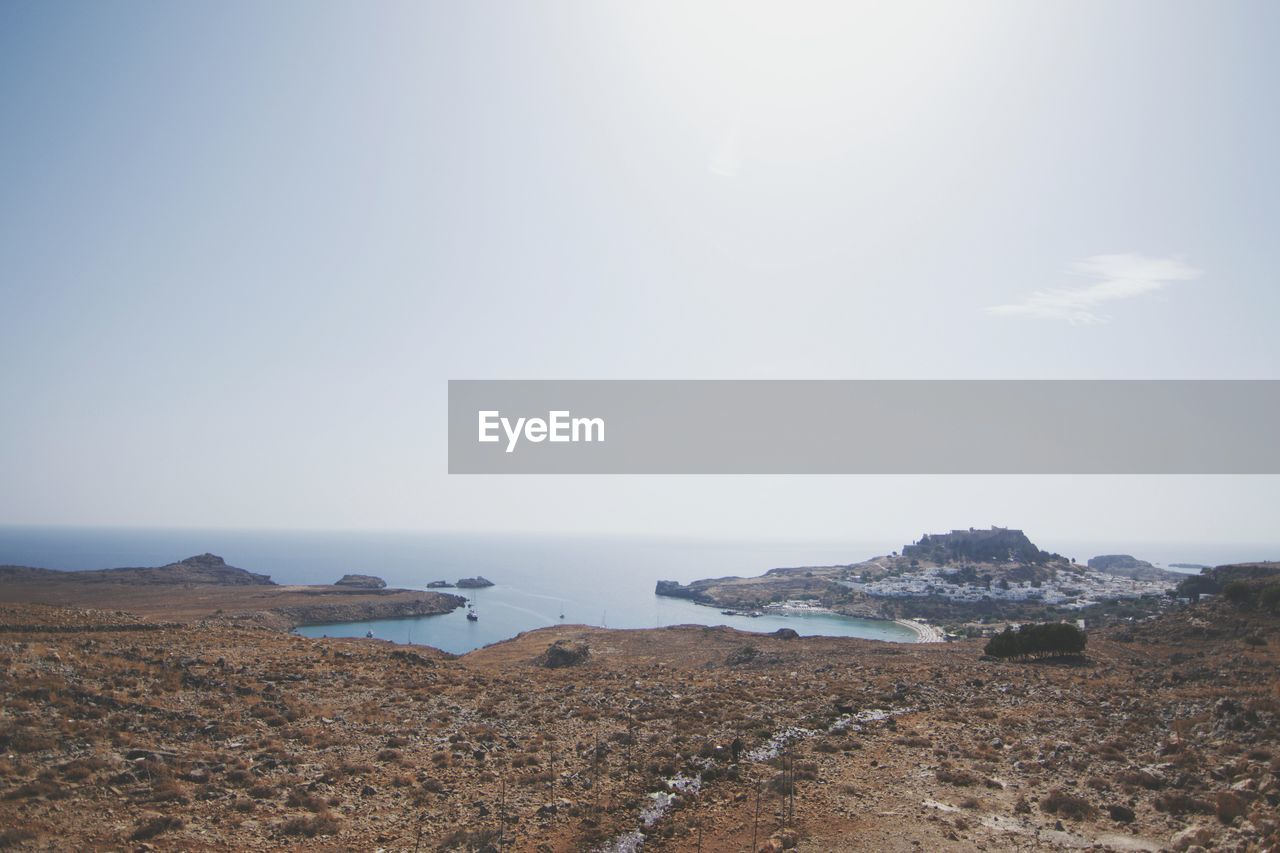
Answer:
(957, 579)
(204, 587)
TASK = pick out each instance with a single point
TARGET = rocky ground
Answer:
(118, 731)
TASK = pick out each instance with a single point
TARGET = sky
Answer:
(244, 246)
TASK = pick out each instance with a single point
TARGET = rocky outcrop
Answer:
(1129, 566)
(1108, 562)
(695, 591)
(393, 606)
(815, 584)
(362, 582)
(477, 582)
(202, 569)
(564, 653)
(439, 585)
(996, 545)
(205, 568)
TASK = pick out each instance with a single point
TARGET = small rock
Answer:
(564, 653)
(1192, 836)
(1121, 813)
(1230, 806)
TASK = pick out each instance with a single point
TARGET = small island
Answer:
(477, 582)
(361, 582)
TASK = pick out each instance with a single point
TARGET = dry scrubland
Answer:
(119, 733)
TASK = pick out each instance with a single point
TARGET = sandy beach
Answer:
(925, 633)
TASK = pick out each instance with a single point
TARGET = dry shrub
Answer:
(1178, 803)
(155, 826)
(1067, 805)
(320, 824)
(1140, 779)
(47, 788)
(951, 776)
(302, 798)
(24, 740)
(14, 836)
(469, 839)
(240, 778)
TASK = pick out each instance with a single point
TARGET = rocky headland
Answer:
(1129, 566)
(205, 587)
(952, 579)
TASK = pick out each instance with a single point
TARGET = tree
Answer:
(1239, 593)
(1269, 599)
(1052, 639)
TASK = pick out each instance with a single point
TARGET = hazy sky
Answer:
(244, 245)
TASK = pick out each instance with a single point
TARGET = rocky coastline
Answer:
(206, 589)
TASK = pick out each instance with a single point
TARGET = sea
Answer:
(539, 580)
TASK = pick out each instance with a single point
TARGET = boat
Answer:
(472, 617)
(368, 635)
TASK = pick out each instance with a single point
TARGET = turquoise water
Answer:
(597, 580)
(505, 611)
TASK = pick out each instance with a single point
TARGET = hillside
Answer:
(949, 578)
(118, 732)
(202, 569)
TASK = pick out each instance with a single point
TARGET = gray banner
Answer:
(864, 427)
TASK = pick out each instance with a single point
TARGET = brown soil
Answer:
(116, 732)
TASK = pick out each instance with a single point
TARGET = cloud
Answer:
(1116, 277)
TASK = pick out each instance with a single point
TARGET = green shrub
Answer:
(1051, 639)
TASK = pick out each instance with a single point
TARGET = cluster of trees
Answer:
(1251, 596)
(1247, 586)
(1051, 639)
